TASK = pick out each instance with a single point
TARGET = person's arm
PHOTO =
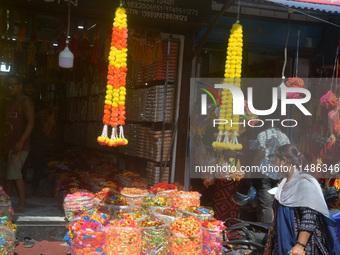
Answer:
(28, 111)
(307, 226)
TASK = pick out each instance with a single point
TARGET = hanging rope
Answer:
(336, 78)
(297, 55)
(334, 66)
(286, 45)
(68, 21)
(238, 10)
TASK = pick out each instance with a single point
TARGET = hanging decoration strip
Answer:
(114, 109)
(227, 136)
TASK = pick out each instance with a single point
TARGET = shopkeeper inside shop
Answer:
(15, 140)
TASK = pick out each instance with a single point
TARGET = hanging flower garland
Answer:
(232, 75)
(114, 109)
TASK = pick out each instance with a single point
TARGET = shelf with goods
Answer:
(150, 108)
(84, 103)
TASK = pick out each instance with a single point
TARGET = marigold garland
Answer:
(232, 75)
(114, 109)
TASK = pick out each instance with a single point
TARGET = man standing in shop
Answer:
(267, 142)
(18, 125)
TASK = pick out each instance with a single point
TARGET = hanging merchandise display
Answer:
(331, 103)
(232, 75)
(114, 109)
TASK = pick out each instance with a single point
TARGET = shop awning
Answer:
(308, 6)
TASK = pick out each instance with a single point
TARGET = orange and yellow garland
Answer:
(114, 109)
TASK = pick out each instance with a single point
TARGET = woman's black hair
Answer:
(292, 154)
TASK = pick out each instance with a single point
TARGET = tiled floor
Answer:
(43, 218)
(44, 208)
(39, 209)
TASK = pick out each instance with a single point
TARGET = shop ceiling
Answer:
(265, 26)
(264, 22)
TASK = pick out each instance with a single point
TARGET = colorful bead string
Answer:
(114, 109)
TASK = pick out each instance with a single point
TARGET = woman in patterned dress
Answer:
(302, 222)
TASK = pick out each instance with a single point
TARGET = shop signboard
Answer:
(331, 2)
(170, 11)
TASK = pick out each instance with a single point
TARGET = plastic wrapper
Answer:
(137, 200)
(74, 208)
(5, 209)
(185, 199)
(212, 242)
(121, 240)
(165, 218)
(7, 240)
(155, 240)
(200, 217)
(184, 245)
(119, 208)
(88, 241)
